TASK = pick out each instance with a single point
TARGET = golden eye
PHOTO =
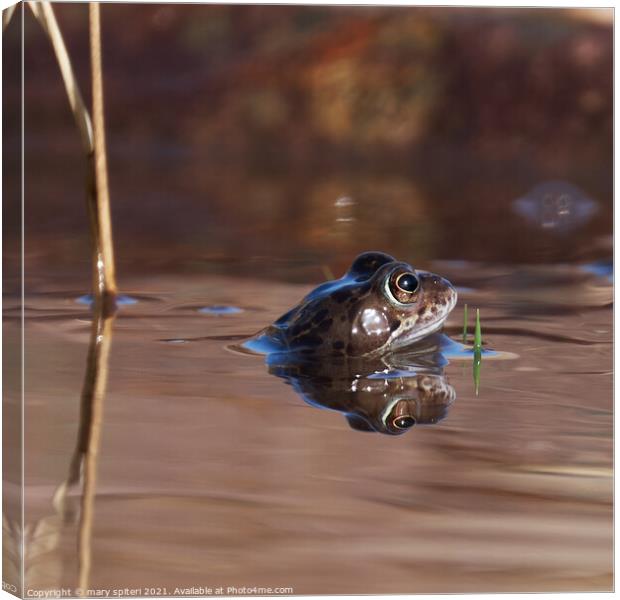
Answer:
(402, 287)
(403, 422)
(407, 282)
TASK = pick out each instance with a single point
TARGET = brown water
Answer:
(211, 472)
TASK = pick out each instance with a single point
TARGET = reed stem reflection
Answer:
(93, 396)
(83, 465)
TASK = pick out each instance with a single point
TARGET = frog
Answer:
(380, 305)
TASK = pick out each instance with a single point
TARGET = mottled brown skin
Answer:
(365, 312)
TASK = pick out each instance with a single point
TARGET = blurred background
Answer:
(277, 133)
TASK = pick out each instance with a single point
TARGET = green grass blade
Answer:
(478, 332)
(477, 352)
(477, 364)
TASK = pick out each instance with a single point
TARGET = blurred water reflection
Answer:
(387, 395)
(556, 206)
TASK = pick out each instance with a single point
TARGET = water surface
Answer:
(210, 471)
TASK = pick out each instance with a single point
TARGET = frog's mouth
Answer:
(414, 334)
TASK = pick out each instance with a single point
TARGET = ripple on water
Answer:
(220, 309)
(602, 268)
(121, 300)
(452, 349)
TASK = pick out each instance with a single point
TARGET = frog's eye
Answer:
(407, 282)
(403, 285)
(403, 422)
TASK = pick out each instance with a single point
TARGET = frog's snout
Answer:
(452, 294)
(440, 290)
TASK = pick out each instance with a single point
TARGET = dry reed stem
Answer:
(96, 377)
(7, 13)
(44, 13)
(107, 276)
(104, 279)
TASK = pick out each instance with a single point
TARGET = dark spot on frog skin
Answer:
(325, 325)
(312, 340)
(338, 345)
(297, 329)
(320, 315)
(341, 296)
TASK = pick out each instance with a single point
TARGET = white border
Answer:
(455, 3)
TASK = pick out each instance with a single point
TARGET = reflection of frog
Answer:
(387, 394)
(556, 206)
(379, 305)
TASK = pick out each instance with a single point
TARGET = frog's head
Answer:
(379, 305)
(397, 306)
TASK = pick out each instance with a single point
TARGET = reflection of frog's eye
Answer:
(407, 282)
(403, 422)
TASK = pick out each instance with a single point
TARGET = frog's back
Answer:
(319, 324)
